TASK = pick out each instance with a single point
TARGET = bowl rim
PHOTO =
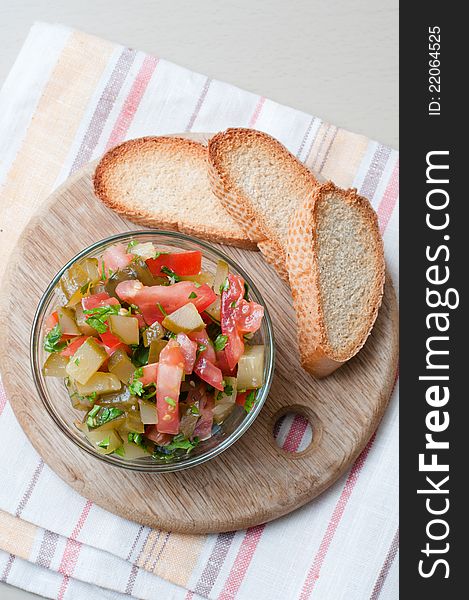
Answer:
(138, 464)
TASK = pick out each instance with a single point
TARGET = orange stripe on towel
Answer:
(48, 139)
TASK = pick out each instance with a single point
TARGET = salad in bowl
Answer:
(157, 348)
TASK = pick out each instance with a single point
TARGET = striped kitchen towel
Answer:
(68, 98)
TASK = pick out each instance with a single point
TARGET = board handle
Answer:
(314, 421)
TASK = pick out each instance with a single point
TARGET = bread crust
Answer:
(238, 204)
(317, 355)
(137, 214)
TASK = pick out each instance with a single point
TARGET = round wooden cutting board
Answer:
(252, 482)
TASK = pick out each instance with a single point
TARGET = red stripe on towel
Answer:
(242, 561)
(72, 550)
(257, 112)
(132, 101)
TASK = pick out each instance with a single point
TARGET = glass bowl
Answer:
(55, 397)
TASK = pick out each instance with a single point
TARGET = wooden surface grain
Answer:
(344, 409)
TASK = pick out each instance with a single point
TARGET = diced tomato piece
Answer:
(112, 343)
(235, 289)
(52, 321)
(168, 385)
(150, 374)
(234, 348)
(203, 429)
(160, 439)
(121, 346)
(68, 336)
(204, 296)
(229, 298)
(209, 373)
(171, 354)
(169, 297)
(73, 347)
(182, 263)
(241, 398)
(189, 352)
(134, 292)
(222, 363)
(238, 316)
(90, 302)
(248, 316)
(202, 339)
(97, 300)
(116, 258)
(109, 339)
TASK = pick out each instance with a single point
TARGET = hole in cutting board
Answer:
(293, 432)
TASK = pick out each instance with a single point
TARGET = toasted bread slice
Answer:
(163, 182)
(260, 183)
(336, 267)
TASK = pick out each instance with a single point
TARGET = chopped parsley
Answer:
(94, 411)
(103, 271)
(77, 361)
(136, 438)
(109, 414)
(250, 401)
(99, 416)
(136, 386)
(220, 342)
(52, 341)
(131, 244)
(173, 278)
(194, 410)
(91, 422)
(179, 442)
(105, 443)
(161, 309)
(192, 295)
(201, 348)
(228, 390)
(99, 315)
(170, 401)
(225, 286)
(120, 451)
